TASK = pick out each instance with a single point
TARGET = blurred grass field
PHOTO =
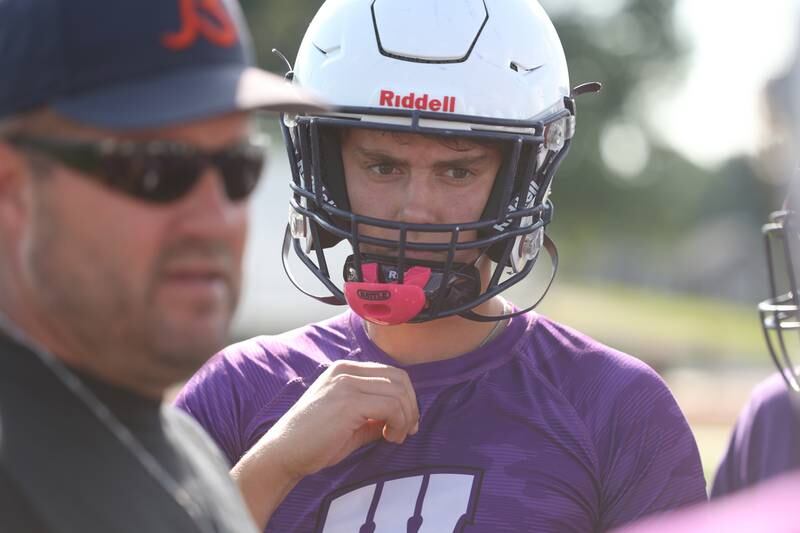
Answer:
(664, 329)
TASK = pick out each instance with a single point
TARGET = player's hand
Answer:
(349, 405)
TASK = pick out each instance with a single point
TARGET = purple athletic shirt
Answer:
(541, 429)
(765, 441)
(766, 508)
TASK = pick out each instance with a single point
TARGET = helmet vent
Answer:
(517, 67)
(446, 33)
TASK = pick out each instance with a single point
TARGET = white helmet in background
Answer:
(491, 70)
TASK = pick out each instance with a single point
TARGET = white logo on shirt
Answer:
(437, 502)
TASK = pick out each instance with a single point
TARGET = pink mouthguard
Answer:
(388, 303)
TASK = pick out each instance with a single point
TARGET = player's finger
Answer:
(400, 376)
(369, 432)
(382, 386)
(357, 394)
(369, 369)
(389, 410)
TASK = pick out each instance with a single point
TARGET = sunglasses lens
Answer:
(154, 178)
(240, 172)
(157, 171)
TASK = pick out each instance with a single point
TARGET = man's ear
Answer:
(15, 176)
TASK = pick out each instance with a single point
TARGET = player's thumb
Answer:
(369, 432)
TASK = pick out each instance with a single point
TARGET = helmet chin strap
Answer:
(550, 247)
(386, 296)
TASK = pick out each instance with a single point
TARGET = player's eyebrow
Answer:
(378, 155)
(462, 161)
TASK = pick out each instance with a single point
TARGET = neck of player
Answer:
(437, 340)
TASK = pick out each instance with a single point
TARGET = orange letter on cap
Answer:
(215, 25)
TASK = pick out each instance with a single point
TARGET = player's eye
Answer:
(459, 173)
(384, 169)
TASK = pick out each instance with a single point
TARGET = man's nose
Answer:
(419, 201)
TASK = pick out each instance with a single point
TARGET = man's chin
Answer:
(183, 346)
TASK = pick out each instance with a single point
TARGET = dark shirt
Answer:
(63, 470)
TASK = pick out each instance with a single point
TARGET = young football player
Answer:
(433, 175)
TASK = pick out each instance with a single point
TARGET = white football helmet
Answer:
(479, 69)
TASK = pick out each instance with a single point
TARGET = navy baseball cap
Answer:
(128, 64)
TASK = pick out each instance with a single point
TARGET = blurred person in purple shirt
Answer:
(757, 481)
(766, 440)
(433, 175)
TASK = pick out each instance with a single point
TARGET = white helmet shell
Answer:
(497, 59)
(487, 70)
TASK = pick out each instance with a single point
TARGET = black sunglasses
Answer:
(156, 171)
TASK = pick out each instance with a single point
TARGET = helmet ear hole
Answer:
(333, 180)
(333, 169)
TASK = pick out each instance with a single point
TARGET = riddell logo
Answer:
(422, 102)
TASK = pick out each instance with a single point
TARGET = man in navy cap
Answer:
(126, 161)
